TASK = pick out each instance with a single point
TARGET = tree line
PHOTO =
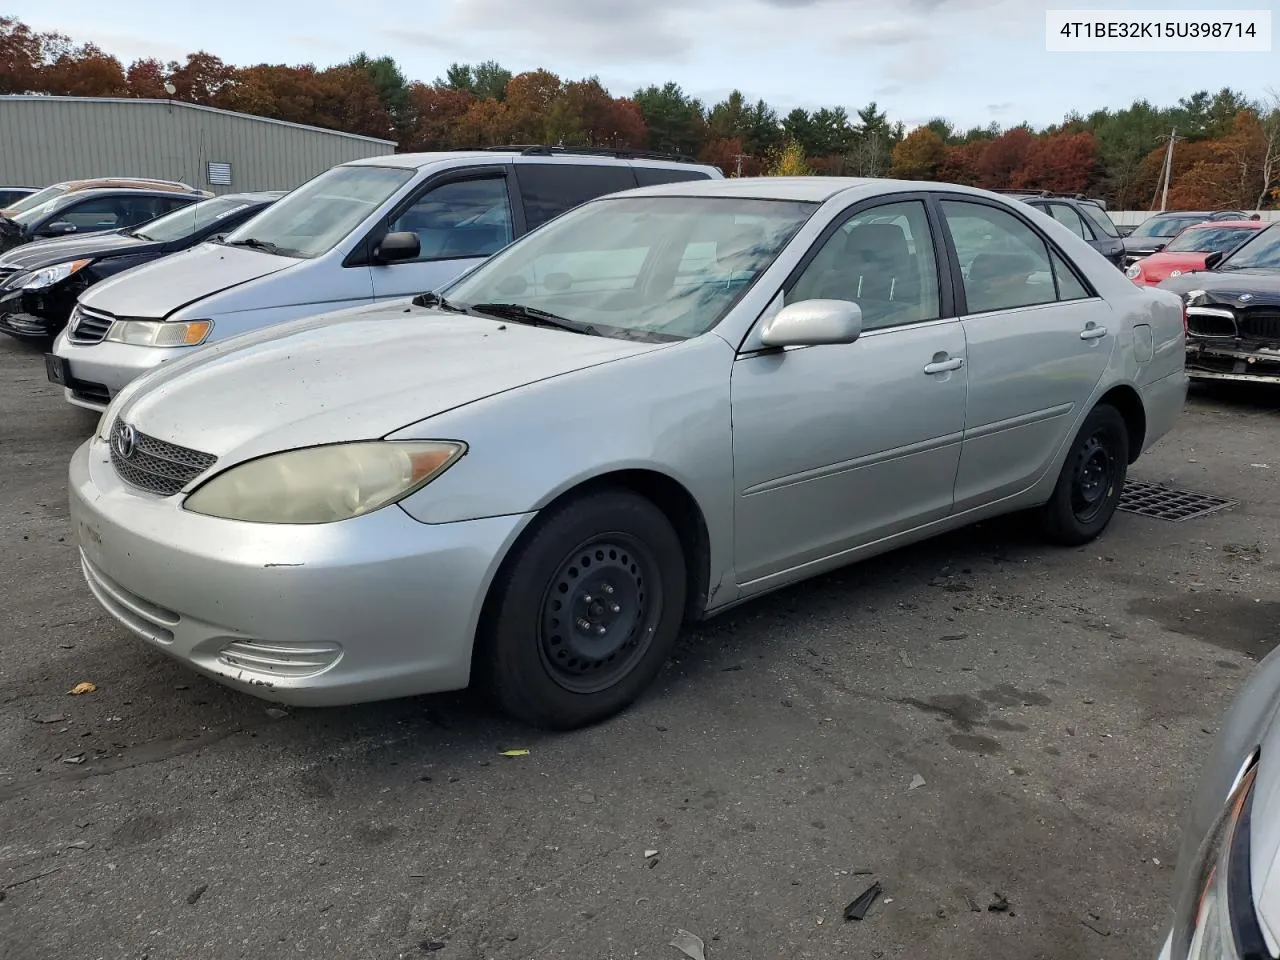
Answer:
(1227, 151)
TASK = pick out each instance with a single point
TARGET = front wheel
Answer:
(584, 612)
(1092, 479)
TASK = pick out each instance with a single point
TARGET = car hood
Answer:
(353, 375)
(43, 253)
(1158, 266)
(155, 290)
(1229, 287)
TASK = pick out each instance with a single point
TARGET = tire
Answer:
(584, 612)
(1092, 480)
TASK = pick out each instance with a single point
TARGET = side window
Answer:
(169, 204)
(881, 259)
(549, 189)
(138, 210)
(1004, 262)
(1069, 219)
(465, 218)
(648, 176)
(1069, 285)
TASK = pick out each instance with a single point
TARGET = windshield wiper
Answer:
(520, 313)
(266, 246)
(137, 234)
(433, 299)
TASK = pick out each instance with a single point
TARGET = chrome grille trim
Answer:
(156, 465)
(88, 326)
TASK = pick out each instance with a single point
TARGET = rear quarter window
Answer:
(651, 176)
(549, 189)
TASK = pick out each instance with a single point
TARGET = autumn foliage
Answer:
(1227, 153)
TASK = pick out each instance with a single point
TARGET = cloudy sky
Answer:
(973, 61)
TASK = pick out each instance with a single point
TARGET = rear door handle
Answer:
(1093, 333)
(942, 366)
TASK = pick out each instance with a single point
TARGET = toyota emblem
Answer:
(126, 442)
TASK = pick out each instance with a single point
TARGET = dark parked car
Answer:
(1233, 313)
(89, 211)
(1153, 233)
(11, 195)
(40, 282)
(1083, 216)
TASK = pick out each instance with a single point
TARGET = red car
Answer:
(1197, 247)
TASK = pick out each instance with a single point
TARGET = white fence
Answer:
(1126, 218)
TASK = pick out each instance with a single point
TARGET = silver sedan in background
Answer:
(661, 404)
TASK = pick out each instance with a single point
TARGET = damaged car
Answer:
(1233, 313)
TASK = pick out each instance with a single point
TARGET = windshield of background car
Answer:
(188, 220)
(316, 217)
(651, 267)
(1163, 226)
(1262, 252)
(1208, 239)
(1098, 217)
(37, 198)
(37, 213)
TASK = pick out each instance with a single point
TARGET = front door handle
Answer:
(943, 366)
(1092, 332)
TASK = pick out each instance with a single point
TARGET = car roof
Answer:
(78, 195)
(416, 161)
(805, 189)
(1252, 224)
(256, 196)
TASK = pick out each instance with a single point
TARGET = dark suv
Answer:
(1085, 217)
(90, 211)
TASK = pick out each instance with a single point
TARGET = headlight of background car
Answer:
(1216, 918)
(48, 276)
(324, 484)
(160, 333)
(1134, 271)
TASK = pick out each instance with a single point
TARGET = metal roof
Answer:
(41, 98)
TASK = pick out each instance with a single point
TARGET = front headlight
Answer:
(324, 484)
(48, 276)
(1216, 918)
(160, 333)
(1134, 271)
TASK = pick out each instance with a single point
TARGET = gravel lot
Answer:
(1056, 704)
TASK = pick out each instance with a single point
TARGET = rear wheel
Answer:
(1092, 479)
(584, 612)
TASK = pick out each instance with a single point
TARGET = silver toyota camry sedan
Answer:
(661, 404)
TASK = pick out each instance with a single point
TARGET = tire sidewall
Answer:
(1063, 522)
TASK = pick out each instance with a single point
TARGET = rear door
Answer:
(1038, 341)
(461, 218)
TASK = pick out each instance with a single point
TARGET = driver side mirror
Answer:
(398, 246)
(60, 227)
(1213, 259)
(813, 323)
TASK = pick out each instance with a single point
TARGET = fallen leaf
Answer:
(650, 853)
(85, 687)
(916, 781)
(689, 944)
(78, 758)
(515, 753)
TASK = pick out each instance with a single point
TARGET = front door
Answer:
(838, 446)
(459, 223)
(1039, 340)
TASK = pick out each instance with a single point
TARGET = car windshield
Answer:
(1163, 226)
(313, 219)
(35, 214)
(184, 222)
(1208, 239)
(655, 268)
(37, 198)
(1262, 252)
(1098, 217)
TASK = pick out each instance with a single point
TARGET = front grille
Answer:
(156, 465)
(88, 326)
(1209, 324)
(1259, 323)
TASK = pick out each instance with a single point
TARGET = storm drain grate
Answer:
(1165, 503)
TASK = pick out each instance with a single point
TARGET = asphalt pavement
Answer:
(1001, 733)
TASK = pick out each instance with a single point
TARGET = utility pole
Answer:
(1166, 172)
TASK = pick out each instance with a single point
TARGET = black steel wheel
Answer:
(1092, 479)
(584, 611)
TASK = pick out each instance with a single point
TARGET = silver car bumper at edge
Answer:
(366, 609)
(110, 365)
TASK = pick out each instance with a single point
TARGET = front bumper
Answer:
(367, 609)
(101, 370)
(34, 315)
(1232, 360)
